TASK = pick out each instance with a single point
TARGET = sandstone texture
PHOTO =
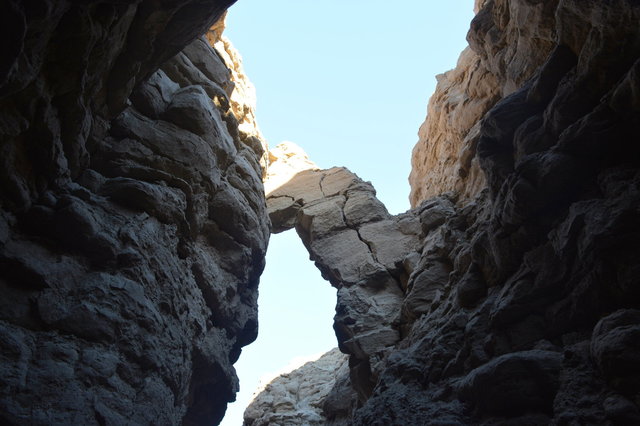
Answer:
(286, 160)
(298, 397)
(132, 217)
(509, 41)
(508, 294)
(444, 158)
(243, 96)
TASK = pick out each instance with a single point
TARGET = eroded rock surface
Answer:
(359, 248)
(132, 222)
(133, 225)
(444, 158)
(514, 299)
(299, 397)
(243, 96)
(509, 40)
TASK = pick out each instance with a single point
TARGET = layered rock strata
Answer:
(132, 221)
(520, 304)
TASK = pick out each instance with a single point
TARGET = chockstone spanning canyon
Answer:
(134, 223)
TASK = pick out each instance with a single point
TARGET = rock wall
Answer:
(444, 158)
(508, 40)
(132, 216)
(514, 299)
(242, 99)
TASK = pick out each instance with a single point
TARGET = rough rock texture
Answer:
(508, 41)
(133, 225)
(444, 158)
(132, 220)
(360, 249)
(298, 397)
(285, 161)
(520, 300)
(243, 97)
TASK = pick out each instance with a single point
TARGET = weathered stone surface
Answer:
(287, 160)
(298, 397)
(518, 302)
(514, 384)
(133, 225)
(508, 41)
(538, 261)
(444, 157)
(615, 348)
(358, 246)
(242, 96)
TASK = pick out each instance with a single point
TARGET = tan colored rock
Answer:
(444, 158)
(297, 397)
(357, 245)
(508, 42)
(285, 161)
(243, 97)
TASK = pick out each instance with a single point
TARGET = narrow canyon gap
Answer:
(134, 225)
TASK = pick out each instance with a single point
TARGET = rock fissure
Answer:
(354, 227)
(322, 178)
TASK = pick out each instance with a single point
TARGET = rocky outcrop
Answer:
(242, 98)
(360, 249)
(286, 160)
(444, 158)
(508, 40)
(132, 222)
(518, 303)
(298, 397)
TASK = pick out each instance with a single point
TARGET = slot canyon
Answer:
(138, 197)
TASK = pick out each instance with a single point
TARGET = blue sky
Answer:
(348, 81)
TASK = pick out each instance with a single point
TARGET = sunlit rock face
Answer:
(132, 222)
(359, 248)
(519, 302)
(509, 40)
(444, 158)
(299, 397)
(243, 96)
(285, 161)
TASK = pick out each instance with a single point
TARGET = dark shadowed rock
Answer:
(516, 298)
(129, 287)
(133, 226)
(514, 384)
(615, 347)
